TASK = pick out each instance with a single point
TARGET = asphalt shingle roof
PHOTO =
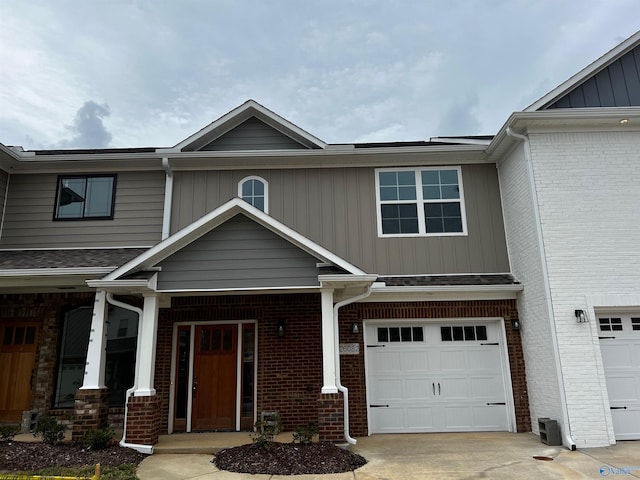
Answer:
(449, 280)
(98, 257)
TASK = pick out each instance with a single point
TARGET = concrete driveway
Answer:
(494, 455)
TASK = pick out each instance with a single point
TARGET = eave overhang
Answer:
(563, 120)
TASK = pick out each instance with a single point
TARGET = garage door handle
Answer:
(496, 403)
(618, 408)
(496, 343)
(379, 406)
(602, 338)
(376, 346)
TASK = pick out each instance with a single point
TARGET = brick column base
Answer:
(331, 417)
(91, 411)
(143, 420)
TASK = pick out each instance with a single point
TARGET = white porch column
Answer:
(328, 343)
(146, 355)
(97, 349)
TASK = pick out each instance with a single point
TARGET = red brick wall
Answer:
(331, 418)
(91, 411)
(143, 420)
(289, 368)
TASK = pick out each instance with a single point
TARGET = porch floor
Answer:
(206, 442)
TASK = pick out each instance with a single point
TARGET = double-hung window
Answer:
(420, 201)
(88, 197)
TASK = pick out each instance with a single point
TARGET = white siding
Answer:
(588, 191)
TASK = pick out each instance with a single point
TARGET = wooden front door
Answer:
(215, 377)
(17, 360)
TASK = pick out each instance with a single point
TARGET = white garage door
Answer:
(435, 377)
(620, 346)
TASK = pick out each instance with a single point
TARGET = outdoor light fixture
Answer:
(354, 328)
(624, 121)
(581, 316)
(280, 330)
(515, 324)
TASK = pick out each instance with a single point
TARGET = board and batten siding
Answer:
(240, 253)
(137, 217)
(336, 208)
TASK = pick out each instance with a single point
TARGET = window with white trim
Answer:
(420, 201)
(254, 190)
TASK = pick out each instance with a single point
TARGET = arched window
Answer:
(122, 334)
(254, 190)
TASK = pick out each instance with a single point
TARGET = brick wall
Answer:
(289, 368)
(91, 411)
(143, 420)
(590, 226)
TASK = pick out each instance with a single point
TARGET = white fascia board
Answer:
(245, 110)
(461, 140)
(564, 117)
(125, 286)
(218, 216)
(346, 280)
(53, 272)
(243, 291)
(457, 292)
(587, 72)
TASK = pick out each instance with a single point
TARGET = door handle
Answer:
(433, 387)
(618, 408)
(439, 389)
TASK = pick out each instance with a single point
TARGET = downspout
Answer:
(148, 449)
(168, 198)
(566, 430)
(339, 386)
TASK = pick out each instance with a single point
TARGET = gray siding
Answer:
(4, 180)
(137, 217)
(336, 208)
(618, 85)
(253, 134)
(238, 254)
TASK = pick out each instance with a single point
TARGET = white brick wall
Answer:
(526, 265)
(588, 186)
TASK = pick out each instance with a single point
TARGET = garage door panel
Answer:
(385, 362)
(620, 349)
(435, 385)
(453, 360)
(416, 389)
(483, 359)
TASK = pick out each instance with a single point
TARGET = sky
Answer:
(140, 73)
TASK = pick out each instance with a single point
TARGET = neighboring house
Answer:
(368, 288)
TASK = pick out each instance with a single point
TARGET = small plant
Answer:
(49, 430)
(7, 432)
(265, 429)
(304, 435)
(97, 439)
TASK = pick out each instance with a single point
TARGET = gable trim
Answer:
(215, 218)
(587, 72)
(235, 117)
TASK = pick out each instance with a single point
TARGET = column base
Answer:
(143, 420)
(91, 411)
(331, 418)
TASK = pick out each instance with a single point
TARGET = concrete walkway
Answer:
(424, 456)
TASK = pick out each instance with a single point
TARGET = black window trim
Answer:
(85, 176)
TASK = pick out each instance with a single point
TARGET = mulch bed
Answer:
(24, 456)
(288, 459)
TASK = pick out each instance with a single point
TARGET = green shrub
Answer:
(49, 430)
(305, 434)
(265, 430)
(7, 432)
(97, 439)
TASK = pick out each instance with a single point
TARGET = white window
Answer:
(420, 201)
(254, 190)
